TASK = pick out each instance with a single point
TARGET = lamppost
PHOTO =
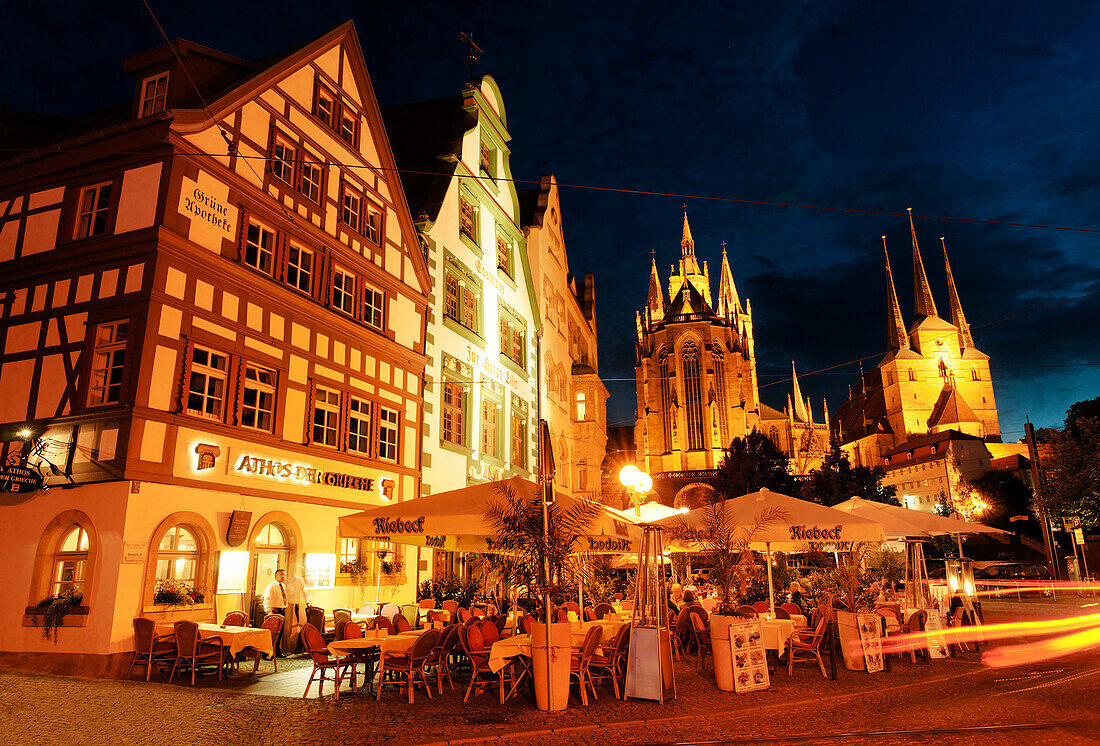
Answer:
(638, 483)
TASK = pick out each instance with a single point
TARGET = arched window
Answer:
(178, 555)
(271, 536)
(666, 399)
(561, 385)
(580, 406)
(720, 394)
(773, 436)
(689, 356)
(70, 562)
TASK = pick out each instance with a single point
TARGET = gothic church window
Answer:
(693, 395)
(720, 394)
(666, 400)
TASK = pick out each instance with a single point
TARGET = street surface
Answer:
(954, 701)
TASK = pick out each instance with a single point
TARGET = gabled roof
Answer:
(344, 34)
(688, 299)
(427, 140)
(950, 408)
(922, 441)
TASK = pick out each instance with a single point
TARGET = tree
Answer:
(753, 463)
(1005, 495)
(836, 480)
(1071, 464)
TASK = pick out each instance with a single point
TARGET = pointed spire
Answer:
(799, 401)
(896, 337)
(958, 319)
(825, 404)
(728, 302)
(688, 264)
(656, 301)
(687, 243)
(923, 302)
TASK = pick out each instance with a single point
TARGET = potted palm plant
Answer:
(725, 544)
(520, 553)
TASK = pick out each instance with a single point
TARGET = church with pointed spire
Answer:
(696, 380)
(932, 381)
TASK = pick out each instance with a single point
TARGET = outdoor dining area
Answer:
(550, 630)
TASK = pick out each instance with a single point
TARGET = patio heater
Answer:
(960, 581)
(916, 577)
(649, 673)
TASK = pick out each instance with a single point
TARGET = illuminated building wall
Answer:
(210, 313)
(574, 399)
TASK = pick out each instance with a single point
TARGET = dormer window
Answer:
(154, 94)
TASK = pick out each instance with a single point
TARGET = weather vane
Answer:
(472, 50)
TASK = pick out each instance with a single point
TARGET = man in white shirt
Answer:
(275, 600)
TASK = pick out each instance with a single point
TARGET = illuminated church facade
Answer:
(696, 381)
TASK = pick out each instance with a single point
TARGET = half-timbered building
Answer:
(213, 346)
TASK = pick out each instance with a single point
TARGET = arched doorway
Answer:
(274, 546)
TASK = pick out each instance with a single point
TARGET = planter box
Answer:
(75, 616)
(550, 664)
(851, 646)
(723, 654)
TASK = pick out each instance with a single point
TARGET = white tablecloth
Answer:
(392, 644)
(775, 633)
(237, 638)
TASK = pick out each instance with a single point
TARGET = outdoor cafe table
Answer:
(775, 633)
(507, 648)
(236, 638)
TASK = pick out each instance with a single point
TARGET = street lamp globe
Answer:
(628, 476)
(644, 483)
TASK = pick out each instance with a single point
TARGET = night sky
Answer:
(983, 110)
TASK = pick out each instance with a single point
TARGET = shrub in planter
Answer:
(177, 593)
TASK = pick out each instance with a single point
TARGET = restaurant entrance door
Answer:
(271, 554)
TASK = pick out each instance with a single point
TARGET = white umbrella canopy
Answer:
(799, 522)
(899, 522)
(456, 520)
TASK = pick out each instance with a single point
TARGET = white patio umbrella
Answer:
(798, 525)
(455, 520)
(908, 524)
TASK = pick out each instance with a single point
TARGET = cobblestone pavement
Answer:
(1061, 698)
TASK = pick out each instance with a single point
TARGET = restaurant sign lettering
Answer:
(814, 533)
(14, 478)
(304, 473)
(608, 545)
(399, 525)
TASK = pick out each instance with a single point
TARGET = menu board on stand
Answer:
(750, 661)
(870, 629)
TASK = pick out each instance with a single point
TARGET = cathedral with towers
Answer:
(932, 380)
(696, 381)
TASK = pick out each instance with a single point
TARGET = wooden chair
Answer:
(401, 624)
(369, 609)
(340, 615)
(315, 615)
(573, 606)
(440, 657)
(194, 651)
(525, 623)
(579, 663)
(789, 608)
(471, 621)
(314, 644)
(390, 611)
(235, 619)
(589, 614)
(702, 638)
(561, 615)
(613, 662)
(761, 607)
(274, 623)
(410, 663)
(489, 633)
(805, 645)
(502, 622)
(411, 612)
(746, 611)
(681, 632)
(603, 609)
(627, 605)
(436, 615)
(464, 615)
(151, 649)
(480, 673)
(383, 622)
(781, 613)
(340, 627)
(450, 605)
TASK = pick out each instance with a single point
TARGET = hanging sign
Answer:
(237, 532)
(750, 662)
(14, 478)
(870, 634)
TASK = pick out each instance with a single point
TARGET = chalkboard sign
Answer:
(238, 527)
